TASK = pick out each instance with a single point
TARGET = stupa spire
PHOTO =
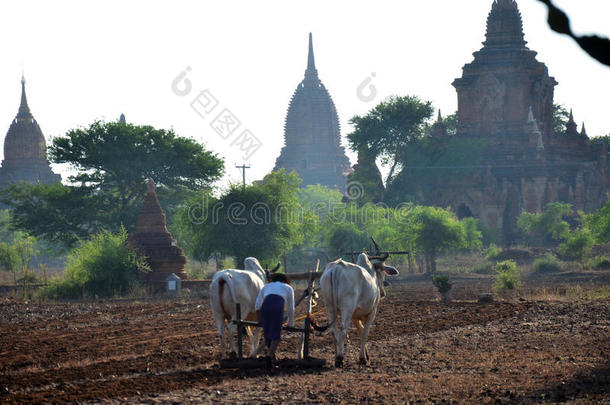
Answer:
(530, 115)
(24, 109)
(504, 25)
(571, 127)
(583, 131)
(439, 128)
(311, 63)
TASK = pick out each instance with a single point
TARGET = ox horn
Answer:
(276, 268)
(380, 258)
(328, 259)
(377, 248)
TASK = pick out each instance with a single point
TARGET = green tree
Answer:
(317, 202)
(450, 123)
(365, 183)
(9, 260)
(560, 118)
(435, 230)
(105, 266)
(112, 161)
(345, 237)
(119, 157)
(6, 232)
(17, 255)
(61, 215)
(261, 220)
(549, 225)
(389, 127)
(599, 223)
(603, 139)
(578, 244)
(473, 234)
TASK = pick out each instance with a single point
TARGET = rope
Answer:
(305, 316)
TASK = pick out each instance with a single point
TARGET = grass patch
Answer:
(484, 268)
(458, 264)
(547, 264)
(568, 293)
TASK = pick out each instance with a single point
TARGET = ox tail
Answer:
(225, 280)
(335, 289)
(334, 292)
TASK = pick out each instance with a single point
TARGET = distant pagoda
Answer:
(25, 150)
(153, 240)
(312, 134)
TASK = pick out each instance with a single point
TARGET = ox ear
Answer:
(390, 271)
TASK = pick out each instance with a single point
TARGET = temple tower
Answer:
(505, 119)
(312, 134)
(153, 240)
(503, 80)
(25, 150)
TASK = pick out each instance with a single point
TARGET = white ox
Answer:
(353, 291)
(229, 287)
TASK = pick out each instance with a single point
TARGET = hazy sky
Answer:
(96, 59)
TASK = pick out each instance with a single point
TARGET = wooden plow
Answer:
(303, 359)
(378, 252)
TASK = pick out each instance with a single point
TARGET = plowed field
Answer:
(163, 351)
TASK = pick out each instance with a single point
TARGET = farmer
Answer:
(270, 305)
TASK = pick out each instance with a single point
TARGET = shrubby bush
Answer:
(506, 266)
(547, 264)
(442, 283)
(492, 252)
(600, 263)
(578, 244)
(104, 266)
(508, 276)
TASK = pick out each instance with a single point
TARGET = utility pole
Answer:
(243, 173)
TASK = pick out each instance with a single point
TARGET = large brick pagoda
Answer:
(312, 133)
(505, 103)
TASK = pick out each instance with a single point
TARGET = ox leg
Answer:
(364, 354)
(336, 333)
(231, 330)
(301, 347)
(261, 343)
(331, 316)
(256, 346)
(341, 335)
(220, 325)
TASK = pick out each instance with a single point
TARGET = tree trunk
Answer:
(421, 263)
(391, 174)
(427, 259)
